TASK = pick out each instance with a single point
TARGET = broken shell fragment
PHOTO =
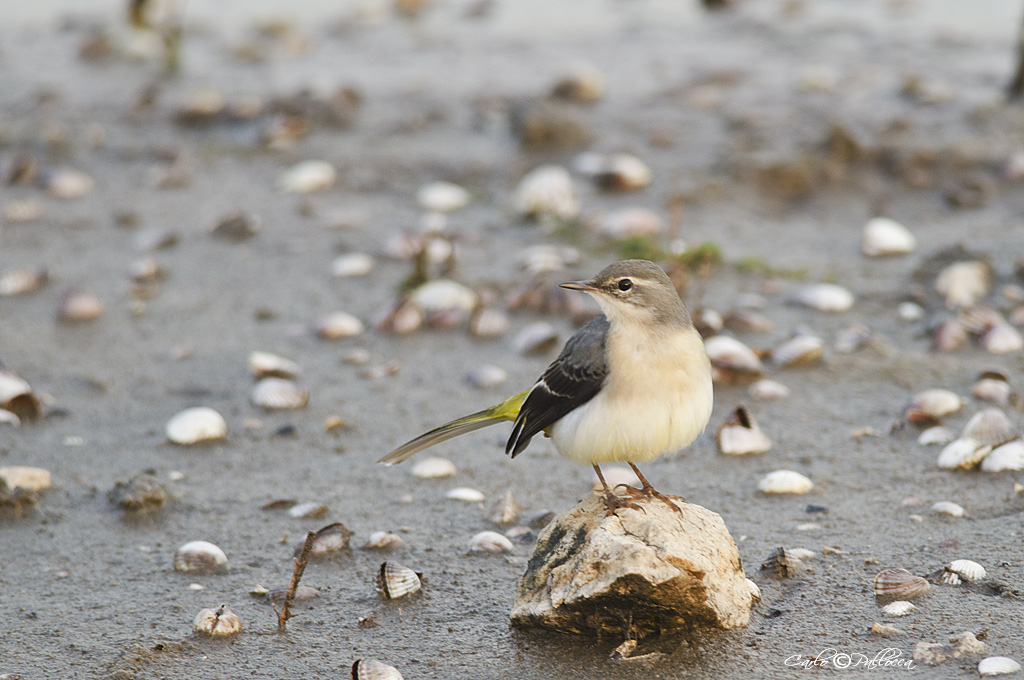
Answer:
(930, 405)
(948, 508)
(396, 580)
(740, 435)
(372, 669)
(16, 396)
(968, 570)
(824, 297)
(308, 510)
(964, 453)
(21, 281)
(799, 350)
(28, 479)
(964, 283)
(785, 481)
(79, 305)
(329, 539)
(352, 265)
(1009, 456)
(730, 356)
(997, 665)
(433, 468)
(489, 542)
(505, 509)
(937, 435)
(278, 393)
(220, 621)
(307, 177)
(442, 197)
(266, 364)
(301, 593)
(194, 425)
(900, 584)
(547, 191)
(898, 608)
(466, 495)
(990, 427)
(384, 540)
(142, 492)
(883, 236)
(199, 556)
(338, 325)
(768, 390)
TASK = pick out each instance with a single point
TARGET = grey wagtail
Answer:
(632, 384)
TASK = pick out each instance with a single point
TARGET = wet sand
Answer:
(731, 110)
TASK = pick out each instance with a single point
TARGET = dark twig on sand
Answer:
(300, 566)
(1016, 87)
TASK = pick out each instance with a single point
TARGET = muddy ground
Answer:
(779, 127)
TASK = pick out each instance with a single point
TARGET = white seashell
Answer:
(220, 621)
(932, 404)
(12, 386)
(729, 354)
(853, 338)
(995, 390)
(898, 608)
(487, 376)
(740, 435)
(963, 283)
(505, 509)
(536, 338)
(279, 393)
(616, 475)
(948, 508)
(8, 418)
(400, 317)
(351, 265)
(490, 541)
(583, 83)
(307, 510)
(384, 540)
(990, 426)
(329, 539)
(824, 297)
(768, 390)
(1009, 456)
(442, 197)
(546, 258)
(30, 479)
(79, 305)
(307, 177)
(466, 494)
(937, 435)
(948, 578)
(488, 323)
(547, 191)
(397, 580)
(21, 281)
(800, 554)
(964, 453)
(199, 556)
(910, 311)
(66, 183)
(968, 570)
(630, 222)
(755, 591)
(339, 325)
(266, 364)
(1002, 339)
(883, 236)
(443, 295)
(372, 669)
(24, 210)
(799, 350)
(997, 665)
(623, 172)
(785, 481)
(195, 425)
(433, 468)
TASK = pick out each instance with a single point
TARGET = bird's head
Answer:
(636, 291)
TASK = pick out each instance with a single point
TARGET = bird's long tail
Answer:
(505, 411)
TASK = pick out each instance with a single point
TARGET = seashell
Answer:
(1009, 456)
(785, 481)
(547, 191)
(338, 325)
(740, 435)
(930, 405)
(993, 388)
(778, 563)
(396, 580)
(898, 608)
(853, 338)
(301, 593)
(16, 396)
(328, 539)
(709, 321)
(991, 427)
(583, 84)
(79, 305)
(1002, 339)
(265, 364)
(964, 283)
(20, 281)
(768, 390)
(949, 335)
(194, 425)
(732, 356)
(24, 210)
(487, 322)
(201, 106)
(308, 510)
(824, 297)
(146, 269)
(220, 621)
(536, 338)
(505, 509)
(442, 197)
(755, 591)
(910, 311)
(948, 508)
(546, 258)
(351, 265)
(142, 492)
(384, 540)
(949, 578)
(371, 669)
(278, 393)
(442, 295)
(968, 570)
(490, 542)
(65, 183)
(628, 223)
(466, 494)
(433, 468)
(883, 236)
(979, 318)
(799, 350)
(9, 418)
(487, 376)
(28, 479)
(618, 172)
(748, 321)
(199, 556)
(307, 177)
(997, 665)
(236, 227)
(900, 584)
(937, 435)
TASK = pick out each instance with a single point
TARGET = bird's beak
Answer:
(577, 285)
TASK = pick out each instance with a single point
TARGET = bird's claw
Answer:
(651, 492)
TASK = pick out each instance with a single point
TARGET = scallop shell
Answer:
(466, 494)
(937, 435)
(351, 265)
(883, 236)
(898, 608)
(964, 453)
(731, 355)
(997, 665)
(799, 350)
(948, 508)
(22, 281)
(505, 509)
(487, 376)
(824, 297)
(194, 425)
(1009, 456)
(266, 364)
(384, 540)
(433, 468)
(442, 197)
(968, 570)
(220, 621)
(547, 191)
(372, 669)
(785, 481)
(30, 479)
(199, 556)
(396, 580)
(768, 390)
(740, 435)
(900, 584)
(778, 563)
(79, 305)
(964, 283)
(990, 426)
(628, 223)
(490, 542)
(328, 539)
(307, 177)
(931, 405)
(278, 393)
(339, 325)
(1002, 339)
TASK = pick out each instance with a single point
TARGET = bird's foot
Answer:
(649, 491)
(613, 503)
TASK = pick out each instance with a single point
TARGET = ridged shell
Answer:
(79, 305)
(278, 393)
(372, 669)
(266, 364)
(949, 578)
(948, 508)
(433, 468)
(442, 196)
(307, 177)
(964, 283)
(799, 350)
(785, 481)
(964, 453)
(990, 426)
(884, 236)
(898, 608)
(1009, 456)
(505, 509)
(900, 584)
(490, 542)
(339, 325)
(731, 355)
(21, 281)
(466, 495)
(740, 435)
(931, 405)
(199, 556)
(1002, 339)
(396, 580)
(968, 570)
(384, 540)
(824, 297)
(997, 665)
(547, 191)
(217, 622)
(352, 265)
(768, 390)
(329, 539)
(778, 564)
(937, 435)
(194, 425)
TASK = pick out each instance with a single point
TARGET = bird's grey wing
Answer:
(573, 379)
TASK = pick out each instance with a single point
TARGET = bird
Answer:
(632, 384)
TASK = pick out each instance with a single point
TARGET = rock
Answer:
(651, 571)
(959, 647)
(141, 492)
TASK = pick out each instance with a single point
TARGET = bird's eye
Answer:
(625, 284)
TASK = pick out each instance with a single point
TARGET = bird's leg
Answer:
(649, 491)
(612, 501)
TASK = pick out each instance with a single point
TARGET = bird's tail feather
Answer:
(505, 411)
